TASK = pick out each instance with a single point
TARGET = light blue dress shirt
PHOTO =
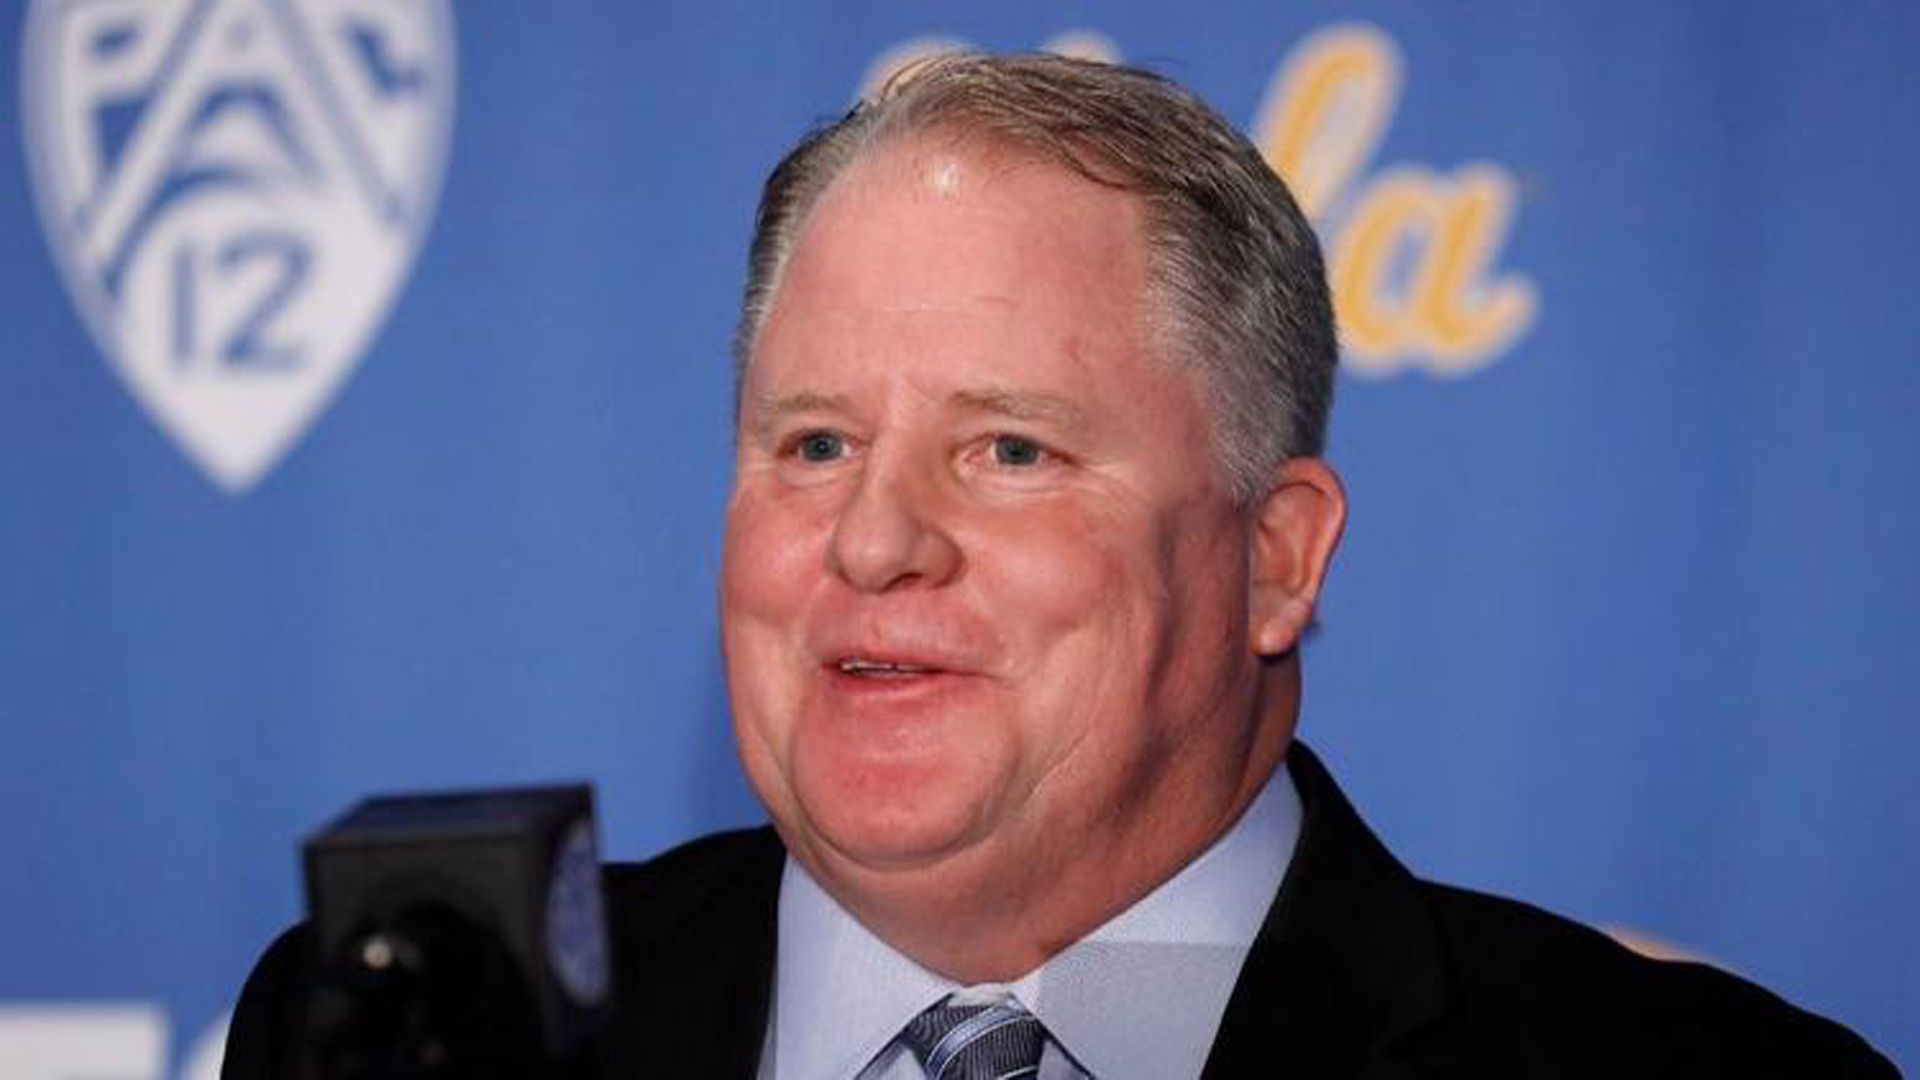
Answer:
(1141, 997)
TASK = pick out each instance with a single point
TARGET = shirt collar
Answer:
(841, 994)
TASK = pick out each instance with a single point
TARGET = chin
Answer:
(891, 818)
(894, 795)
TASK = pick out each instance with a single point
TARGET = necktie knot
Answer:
(1000, 1041)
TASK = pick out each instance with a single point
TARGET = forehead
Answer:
(932, 234)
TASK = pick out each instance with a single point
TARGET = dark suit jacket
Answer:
(1360, 970)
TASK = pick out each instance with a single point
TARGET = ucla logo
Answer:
(235, 190)
(1413, 251)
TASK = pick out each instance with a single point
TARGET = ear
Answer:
(1295, 529)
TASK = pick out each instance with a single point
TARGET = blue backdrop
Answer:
(366, 427)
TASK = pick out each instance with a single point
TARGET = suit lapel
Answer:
(1347, 962)
(695, 965)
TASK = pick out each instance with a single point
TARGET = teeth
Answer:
(878, 667)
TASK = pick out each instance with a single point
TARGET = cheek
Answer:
(769, 565)
(1076, 597)
(1051, 570)
(772, 563)
(1125, 620)
(772, 552)
(1203, 660)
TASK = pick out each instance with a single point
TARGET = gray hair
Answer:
(1236, 275)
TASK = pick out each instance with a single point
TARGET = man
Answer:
(1027, 526)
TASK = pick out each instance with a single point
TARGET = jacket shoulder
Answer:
(691, 934)
(1552, 982)
(719, 873)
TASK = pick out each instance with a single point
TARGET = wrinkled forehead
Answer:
(935, 259)
(960, 267)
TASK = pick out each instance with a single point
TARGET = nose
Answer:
(889, 534)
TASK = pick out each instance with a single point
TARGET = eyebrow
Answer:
(769, 410)
(1025, 405)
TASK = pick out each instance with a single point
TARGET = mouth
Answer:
(876, 669)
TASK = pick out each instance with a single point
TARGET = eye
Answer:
(1015, 451)
(818, 446)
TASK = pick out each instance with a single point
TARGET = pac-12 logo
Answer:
(234, 190)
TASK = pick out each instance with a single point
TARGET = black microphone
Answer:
(459, 935)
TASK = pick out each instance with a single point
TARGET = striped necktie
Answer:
(1001, 1041)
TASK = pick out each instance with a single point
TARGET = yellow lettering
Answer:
(1326, 111)
(1079, 44)
(1083, 45)
(1409, 272)
(1467, 319)
(1411, 253)
(1375, 325)
(901, 56)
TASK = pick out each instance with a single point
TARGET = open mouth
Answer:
(882, 670)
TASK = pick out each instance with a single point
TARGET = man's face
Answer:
(984, 596)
